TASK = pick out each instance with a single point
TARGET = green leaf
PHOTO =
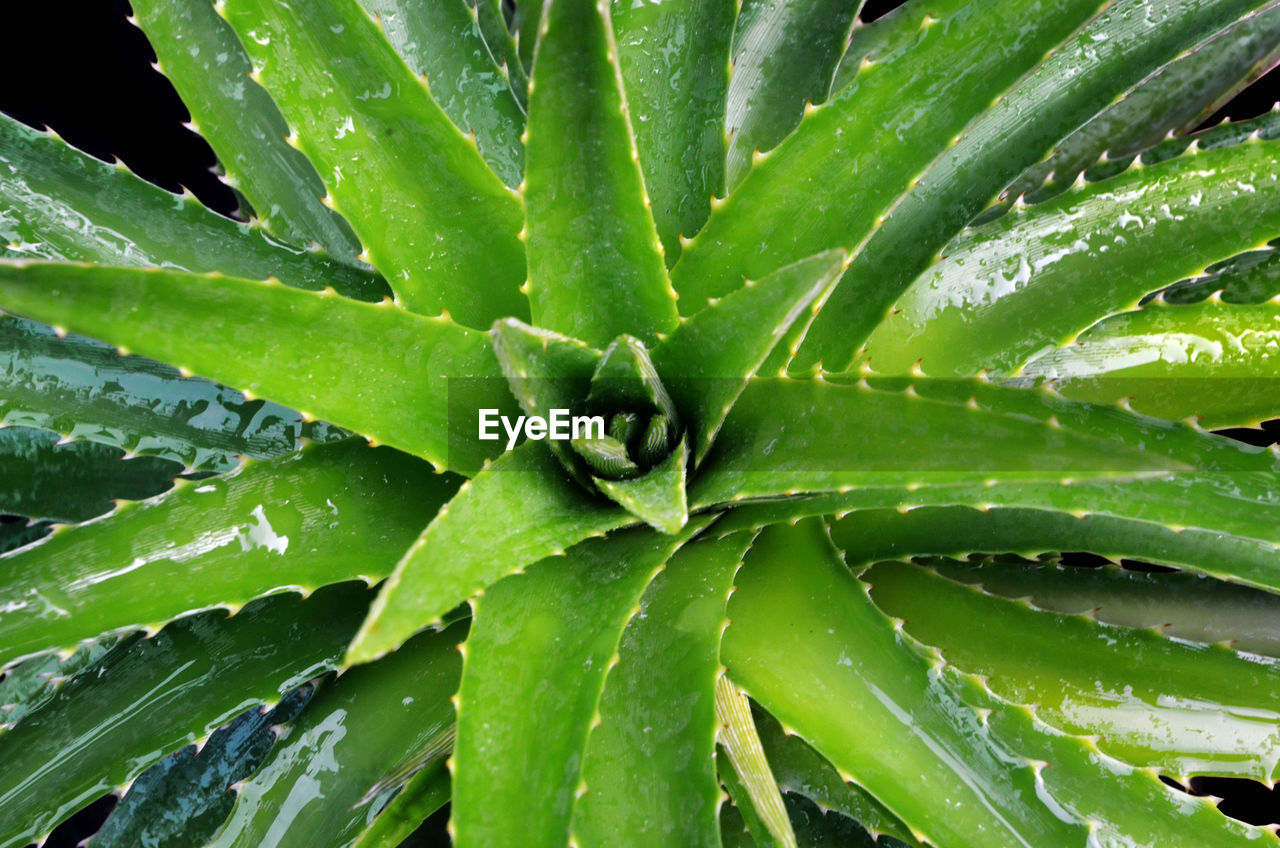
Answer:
(64, 204)
(874, 534)
(708, 360)
(1119, 803)
(800, 769)
(184, 798)
(657, 498)
(319, 782)
(320, 516)
(1249, 278)
(84, 389)
(491, 19)
(595, 262)
(805, 636)
(784, 57)
(541, 646)
(863, 143)
(546, 371)
(649, 765)
(363, 366)
(919, 194)
(1212, 360)
(150, 696)
(1151, 701)
(425, 793)
(47, 478)
(524, 23)
(882, 40)
(1185, 607)
(463, 550)
(201, 55)
(674, 59)
(753, 785)
(1178, 97)
(970, 312)
(30, 685)
(443, 42)
(441, 225)
(995, 447)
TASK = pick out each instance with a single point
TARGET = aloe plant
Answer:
(860, 310)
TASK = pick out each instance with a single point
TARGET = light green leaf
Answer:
(364, 366)
(424, 794)
(64, 204)
(541, 646)
(1150, 700)
(805, 636)
(320, 516)
(1216, 361)
(464, 550)
(441, 225)
(201, 55)
(649, 765)
(658, 497)
(752, 784)
(971, 310)
(595, 262)
(674, 59)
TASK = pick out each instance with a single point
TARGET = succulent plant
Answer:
(877, 323)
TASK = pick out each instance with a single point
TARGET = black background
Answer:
(79, 67)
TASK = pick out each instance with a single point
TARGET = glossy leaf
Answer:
(805, 635)
(1175, 98)
(1212, 360)
(64, 204)
(595, 262)
(650, 766)
(674, 59)
(153, 695)
(1122, 44)
(443, 42)
(1188, 608)
(462, 551)
(320, 516)
(185, 797)
(360, 365)
(1057, 457)
(524, 22)
(709, 358)
(784, 57)
(873, 534)
(202, 56)
(313, 787)
(441, 226)
(521, 734)
(1251, 277)
(45, 478)
(84, 389)
(1150, 700)
(1041, 260)
(28, 686)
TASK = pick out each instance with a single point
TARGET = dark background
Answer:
(79, 67)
